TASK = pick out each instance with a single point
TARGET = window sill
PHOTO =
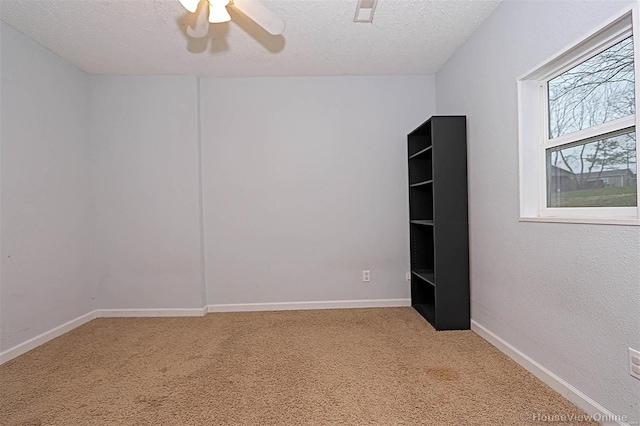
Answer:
(585, 220)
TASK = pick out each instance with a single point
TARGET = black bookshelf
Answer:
(438, 222)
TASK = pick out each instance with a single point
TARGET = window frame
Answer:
(533, 124)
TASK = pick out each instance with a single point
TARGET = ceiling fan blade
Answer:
(262, 16)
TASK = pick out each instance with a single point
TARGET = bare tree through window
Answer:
(598, 172)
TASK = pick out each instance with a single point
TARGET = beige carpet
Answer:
(331, 367)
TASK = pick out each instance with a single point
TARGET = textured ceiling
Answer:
(149, 37)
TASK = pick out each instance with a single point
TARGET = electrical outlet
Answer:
(408, 276)
(366, 276)
(634, 363)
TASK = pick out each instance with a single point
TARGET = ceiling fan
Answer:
(217, 13)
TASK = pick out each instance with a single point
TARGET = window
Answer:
(578, 148)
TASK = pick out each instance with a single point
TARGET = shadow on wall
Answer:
(217, 33)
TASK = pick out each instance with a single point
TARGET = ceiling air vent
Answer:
(364, 10)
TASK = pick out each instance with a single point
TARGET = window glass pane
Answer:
(599, 90)
(600, 173)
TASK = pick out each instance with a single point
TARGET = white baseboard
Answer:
(294, 306)
(558, 384)
(43, 338)
(149, 313)
(33, 343)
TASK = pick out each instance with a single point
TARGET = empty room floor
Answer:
(382, 366)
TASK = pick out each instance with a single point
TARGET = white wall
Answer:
(144, 138)
(304, 183)
(566, 295)
(46, 191)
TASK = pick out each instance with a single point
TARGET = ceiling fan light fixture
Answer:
(190, 5)
(218, 11)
